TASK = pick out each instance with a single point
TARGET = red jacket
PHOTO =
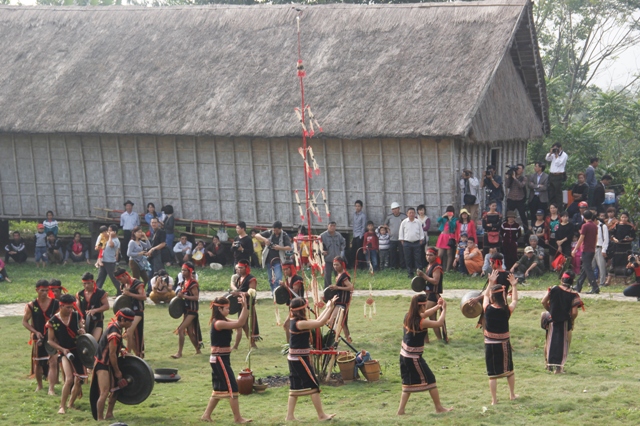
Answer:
(471, 231)
(370, 241)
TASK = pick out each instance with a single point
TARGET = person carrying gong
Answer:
(135, 290)
(295, 284)
(433, 276)
(190, 293)
(241, 285)
(344, 288)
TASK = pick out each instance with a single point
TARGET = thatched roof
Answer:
(373, 71)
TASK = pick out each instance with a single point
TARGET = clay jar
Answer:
(245, 382)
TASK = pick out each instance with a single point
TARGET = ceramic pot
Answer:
(245, 382)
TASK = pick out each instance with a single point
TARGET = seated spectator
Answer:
(182, 250)
(198, 255)
(537, 249)
(473, 258)
(529, 265)
(162, 288)
(77, 251)
(458, 262)
(486, 266)
(55, 253)
(15, 249)
(4, 276)
(215, 252)
(41, 246)
(50, 225)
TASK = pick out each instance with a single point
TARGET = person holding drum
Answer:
(561, 304)
(134, 289)
(92, 302)
(497, 343)
(344, 288)
(433, 276)
(190, 293)
(224, 381)
(62, 330)
(242, 284)
(293, 284)
(416, 374)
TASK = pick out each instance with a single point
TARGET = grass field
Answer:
(600, 387)
(25, 276)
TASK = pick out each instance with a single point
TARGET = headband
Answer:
(75, 307)
(219, 305)
(184, 265)
(344, 265)
(292, 268)
(565, 275)
(121, 274)
(503, 290)
(119, 314)
(300, 307)
(95, 286)
(246, 265)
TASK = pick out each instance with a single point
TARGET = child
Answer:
(486, 267)
(577, 259)
(54, 249)
(383, 245)
(41, 246)
(199, 249)
(3, 272)
(303, 246)
(50, 225)
(100, 243)
(370, 245)
(459, 260)
(256, 257)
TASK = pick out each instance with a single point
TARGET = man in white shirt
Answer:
(558, 159)
(182, 250)
(602, 244)
(470, 188)
(411, 235)
(128, 220)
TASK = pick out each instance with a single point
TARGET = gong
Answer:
(139, 374)
(468, 310)
(234, 305)
(329, 293)
(176, 307)
(282, 295)
(121, 302)
(418, 284)
(50, 349)
(87, 348)
(166, 375)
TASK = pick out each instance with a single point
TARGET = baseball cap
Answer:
(528, 249)
(583, 204)
(540, 212)
(395, 205)
(40, 226)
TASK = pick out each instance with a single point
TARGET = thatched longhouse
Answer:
(193, 106)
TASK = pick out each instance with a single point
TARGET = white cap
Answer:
(395, 205)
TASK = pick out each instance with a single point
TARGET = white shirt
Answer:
(410, 231)
(558, 162)
(474, 187)
(179, 247)
(603, 237)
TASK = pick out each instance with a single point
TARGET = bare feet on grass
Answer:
(292, 419)
(61, 411)
(51, 392)
(206, 419)
(242, 420)
(326, 417)
(514, 396)
(442, 409)
(176, 356)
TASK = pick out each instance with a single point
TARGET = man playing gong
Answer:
(294, 283)
(190, 293)
(105, 369)
(92, 302)
(344, 288)
(134, 288)
(36, 315)
(242, 284)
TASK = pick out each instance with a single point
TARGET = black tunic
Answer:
(344, 296)
(66, 336)
(112, 333)
(565, 231)
(93, 302)
(293, 282)
(243, 286)
(416, 374)
(302, 377)
(497, 344)
(222, 378)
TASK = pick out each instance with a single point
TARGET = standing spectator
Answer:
(509, 233)
(411, 236)
(136, 251)
(359, 228)
(169, 223)
(552, 221)
(579, 192)
(16, 249)
(151, 213)
(41, 246)
(370, 245)
(77, 251)
(242, 247)
(128, 220)
(538, 193)
(599, 191)
(465, 225)
(516, 183)
(564, 237)
(108, 264)
(214, 252)
(446, 241)
(470, 187)
(50, 225)
(578, 218)
(473, 258)
(540, 228)
(256, 257)
(426, 224)
(4, 276)
(383, 243)
(590, 177)
(492, 185)
(558, 159)
(277, 243)
(622, 236)
(182, 250)
(587, 241)
(158, 246)
(304, 247)
(393, 221)
(602, 245)
(491, 223)
(333, 245)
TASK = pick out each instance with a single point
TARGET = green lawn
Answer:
(600, 387)
(25, 276)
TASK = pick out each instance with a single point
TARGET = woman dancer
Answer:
(224, 381)
(497, 344)
(416, 374)
(302, 378)
(434, 277)
(190, 293)
(561, 303)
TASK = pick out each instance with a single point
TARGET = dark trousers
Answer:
(519, 205)
(329, 272)
(586, 271)
(534, 205)
(555, 190)
(107, 269)
(411, 256)
(19, 257)
(396, 255)
(354, 255)
(126, 236)
(632, 291)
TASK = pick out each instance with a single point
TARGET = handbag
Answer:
(452, 243)
(144, 264)
(558, 262)
(222, 235)
(469, 199)
(493, 237)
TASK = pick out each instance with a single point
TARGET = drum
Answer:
(468, 310)
(418, 284)
(281, 295)
(329, 293)
(197, 255)
(176, 307)
(234, 305)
